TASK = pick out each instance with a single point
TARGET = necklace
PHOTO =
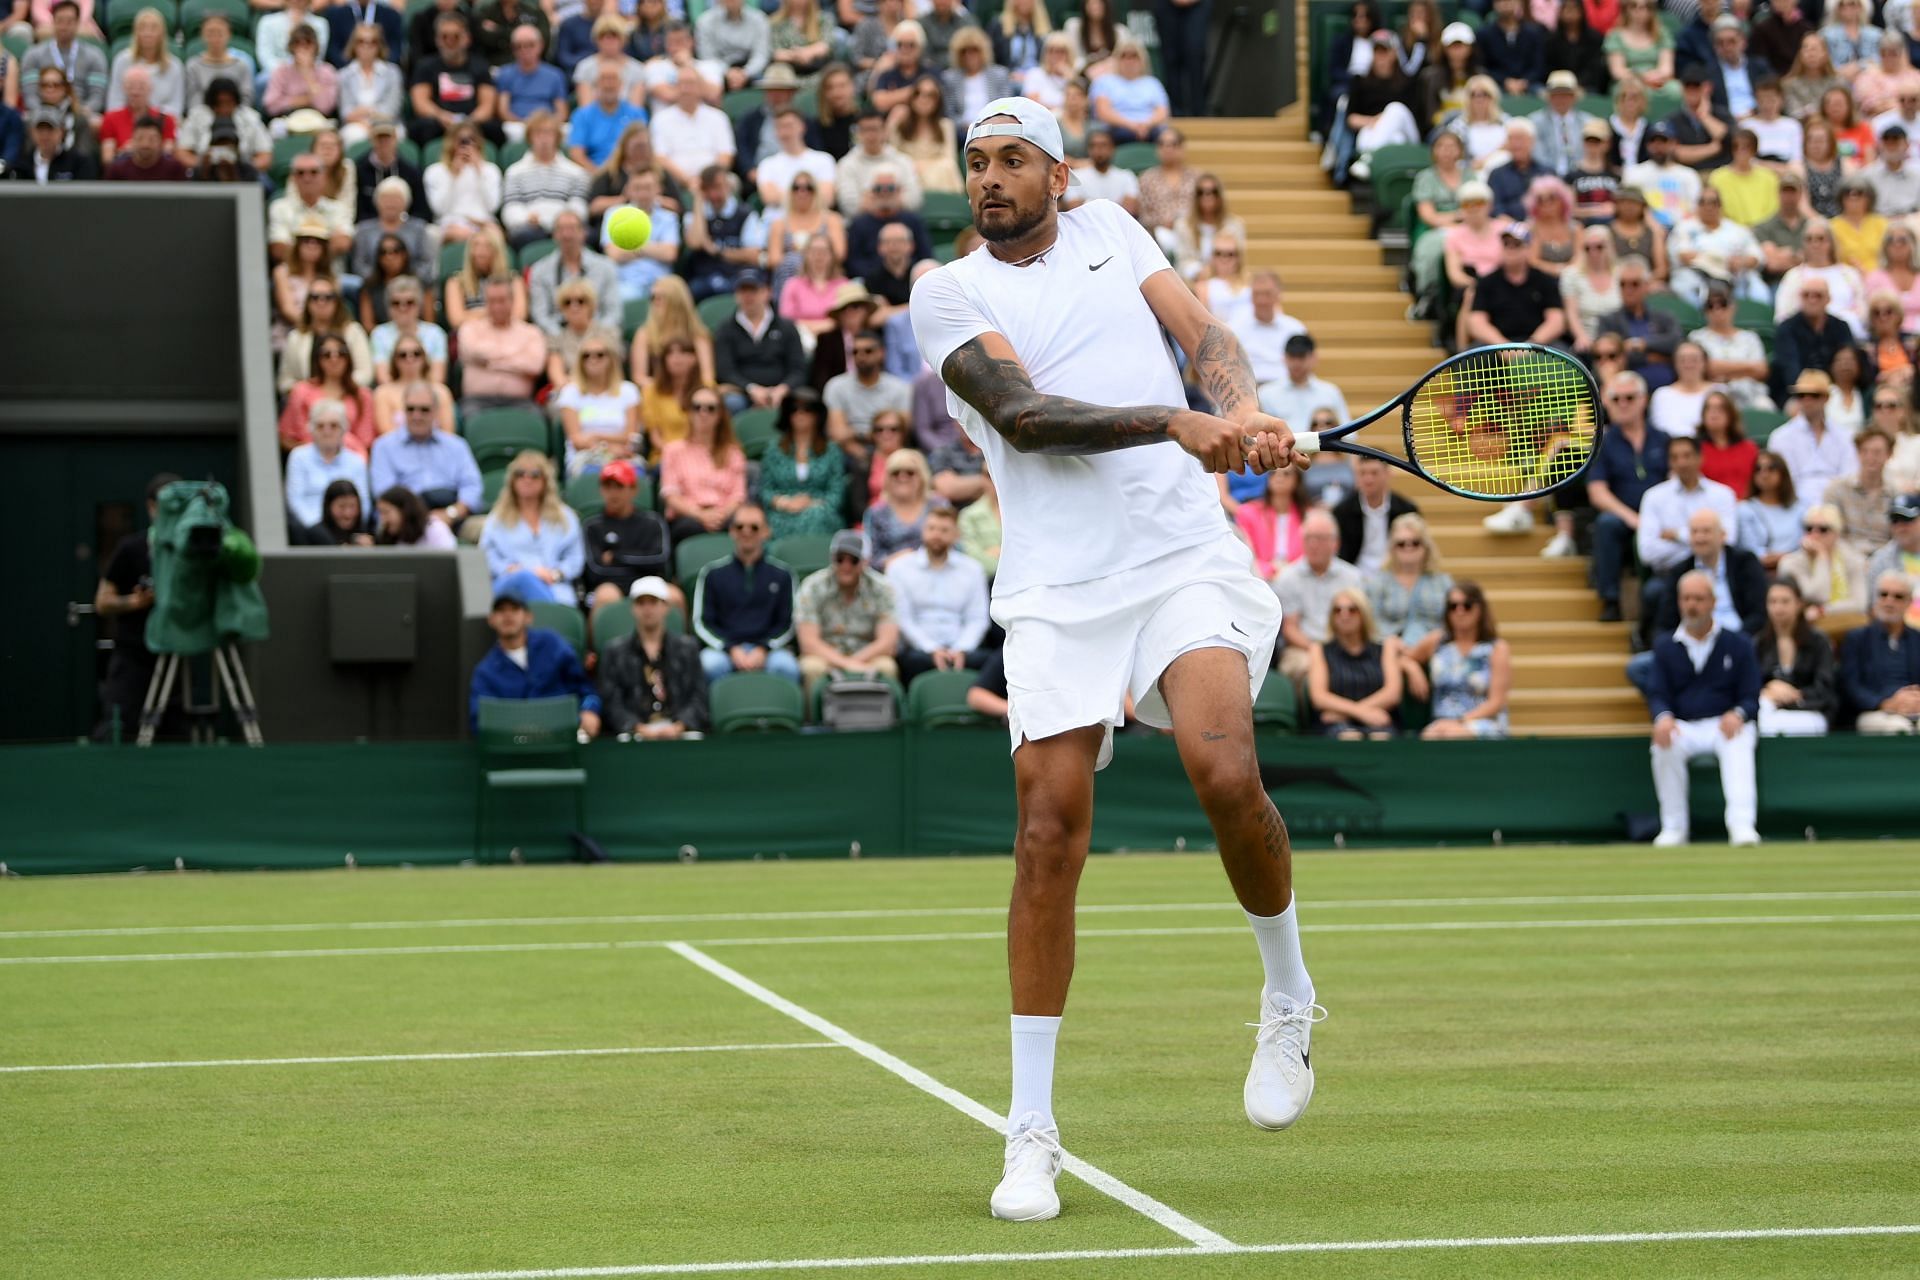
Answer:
(1030, 257)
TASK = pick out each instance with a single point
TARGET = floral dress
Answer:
(1460, 683)
(824, 480)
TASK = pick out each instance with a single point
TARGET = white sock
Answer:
(1279, 939)
(1033, 1041)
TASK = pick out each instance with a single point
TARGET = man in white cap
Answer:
(1116, 579)
(652, 688)
(1558, 125)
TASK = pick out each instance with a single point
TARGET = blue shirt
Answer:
(553, 670)
(1739, 89)
(308, 476)
(1629, 474)
(1134, 99)
(441, 461)
(551, 546)
(529, 91)
(596, 132)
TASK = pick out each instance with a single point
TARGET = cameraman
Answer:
(125, 593)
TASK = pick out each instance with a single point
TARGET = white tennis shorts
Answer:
(1074, 652)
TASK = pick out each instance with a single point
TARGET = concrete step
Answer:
(1540, 604)
(1566, 637)
(1248, 128)
(1614, 706)
(1314, 304)
(1601, 670)
(1509, 572)
(1464, 538)
(1398, 367)
(1341, 328)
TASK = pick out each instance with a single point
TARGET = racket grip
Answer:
(1307, 442)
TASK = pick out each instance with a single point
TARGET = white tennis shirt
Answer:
(1082, 328)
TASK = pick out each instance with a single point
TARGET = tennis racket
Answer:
(1496, 423)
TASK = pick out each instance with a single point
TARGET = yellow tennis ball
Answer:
(629, 227)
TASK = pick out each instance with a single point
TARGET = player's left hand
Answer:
(1272, 446)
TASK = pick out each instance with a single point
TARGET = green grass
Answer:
(1674, 1073)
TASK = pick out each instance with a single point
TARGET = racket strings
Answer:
(1503, 423)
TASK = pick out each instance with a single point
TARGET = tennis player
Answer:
(1118, 575)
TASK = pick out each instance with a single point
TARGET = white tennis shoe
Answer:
(1280, 1082)
(1515, 517)
(1026, 1193)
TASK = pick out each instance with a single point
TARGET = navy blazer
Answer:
(1864, 673)
(341, 20)
(552, 669)
(1730, 680)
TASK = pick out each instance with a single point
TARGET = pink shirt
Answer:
(286, 83)
(801, 300)
(687, 473)
(1909, 298)
(1273, 535)
(1482, 251)
(515, 356)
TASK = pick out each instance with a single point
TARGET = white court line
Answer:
(1102, 1255)
(636, 944)
(1135, 1199)
(417, 1057)
(907, 913)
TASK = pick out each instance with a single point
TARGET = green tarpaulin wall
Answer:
(92, 809)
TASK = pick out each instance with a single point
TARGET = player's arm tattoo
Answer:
(1035, 423)
(1221, 367)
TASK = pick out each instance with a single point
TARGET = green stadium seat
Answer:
(643, 494)
(717, 310)
(532, 253)
(284, 151)
(239, 44)
(696, 553)
(583, 495)
(492, 480)
(453, 257)
(612, 623)
(1278, 706)
(1136, 157)
(497, 435)
(1386, 162)
(634, 315)
(527, 745)
(938, 700)
(512, 151)
(754, 429)
(1689, 316)
(945, 251)
(565, 619)
(1756, 316)
(740, 101)
(1520, 104)
(804, 553)
(1597, 105)
(946, 214)
(1760, 423)
(16, 42)
(756, 702)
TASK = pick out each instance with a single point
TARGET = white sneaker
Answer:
(1026, 1193)
(1513, 518)
(1745, 837)
(1562, 545)
(1280, 1082)
(1670, 839)
(1360, 170)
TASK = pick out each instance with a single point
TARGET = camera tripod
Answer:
(227, 672)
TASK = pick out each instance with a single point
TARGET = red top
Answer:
(118, 125)
(1731, 465)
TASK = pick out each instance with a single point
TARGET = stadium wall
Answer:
(96, 809)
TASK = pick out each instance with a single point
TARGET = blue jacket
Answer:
(1871, 672)
(1730, 679)
(553, 670)
(734, 604)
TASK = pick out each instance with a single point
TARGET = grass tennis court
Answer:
(1522, 1042)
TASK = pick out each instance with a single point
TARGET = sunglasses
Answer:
(403, 302)
(419, 408)
(1623, 397)
(333, 355)
(895, 475)
(803, 186)
(1459, 606)
(705, 407)
(1717, 304)
(755, 527)
(1226, 253)
(1819, 528)
(1207, 191)
(323, 297)
(1345, 608)
(1408, 542)
(1886, 404)
(414, 354)
(844, 558)
(529, 473)
(889, 429)
(1892, 595)
(574, 302)
(593, 355)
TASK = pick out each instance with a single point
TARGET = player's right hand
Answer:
(1215, 441)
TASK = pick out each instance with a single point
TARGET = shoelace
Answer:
(1286, 1031)
(1027, 1143)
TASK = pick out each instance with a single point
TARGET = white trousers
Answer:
(1886, 722)
(1698, 738)
(1790, 722)
(1395, 124)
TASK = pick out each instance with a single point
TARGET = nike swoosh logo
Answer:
(1236, 627)
(1095, 266)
